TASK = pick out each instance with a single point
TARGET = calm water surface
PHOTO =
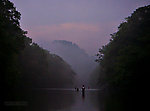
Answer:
(64, 100)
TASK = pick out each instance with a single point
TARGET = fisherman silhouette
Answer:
(83, 92)
(76, 88)
(83, 89)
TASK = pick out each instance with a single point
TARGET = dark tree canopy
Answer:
(12, 41)
(25, 64)
(41, 69)
(124, 61)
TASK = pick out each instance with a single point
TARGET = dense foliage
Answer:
(23, 63)
(42, 69)
(124, 61)
(12, 41)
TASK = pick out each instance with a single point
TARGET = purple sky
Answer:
(87, 23)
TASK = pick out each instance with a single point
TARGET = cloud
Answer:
(66, 27)
(88, 36)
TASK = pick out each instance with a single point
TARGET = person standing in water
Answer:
(83, 91)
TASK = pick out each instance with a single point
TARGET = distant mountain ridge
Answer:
(66, 45)
(64, 42)
(79, 60)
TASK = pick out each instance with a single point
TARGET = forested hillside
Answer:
(24, 63)
(124, 62)
(41, 69)
(76, 57)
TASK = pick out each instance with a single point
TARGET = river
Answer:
(59, 100)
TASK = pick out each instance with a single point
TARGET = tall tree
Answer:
(124, 60)
(12, 41)
(41, 69)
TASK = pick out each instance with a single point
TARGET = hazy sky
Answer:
(87, 23)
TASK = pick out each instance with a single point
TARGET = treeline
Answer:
(124, 63)
(42, 69)
(23, 63)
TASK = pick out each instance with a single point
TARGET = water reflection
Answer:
(83, 95)
(62, 100)
(51, 100)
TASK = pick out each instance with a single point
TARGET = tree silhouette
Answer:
(124, 60)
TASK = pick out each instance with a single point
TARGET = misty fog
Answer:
(77, 58)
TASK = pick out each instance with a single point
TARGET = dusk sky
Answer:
(87, 23)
